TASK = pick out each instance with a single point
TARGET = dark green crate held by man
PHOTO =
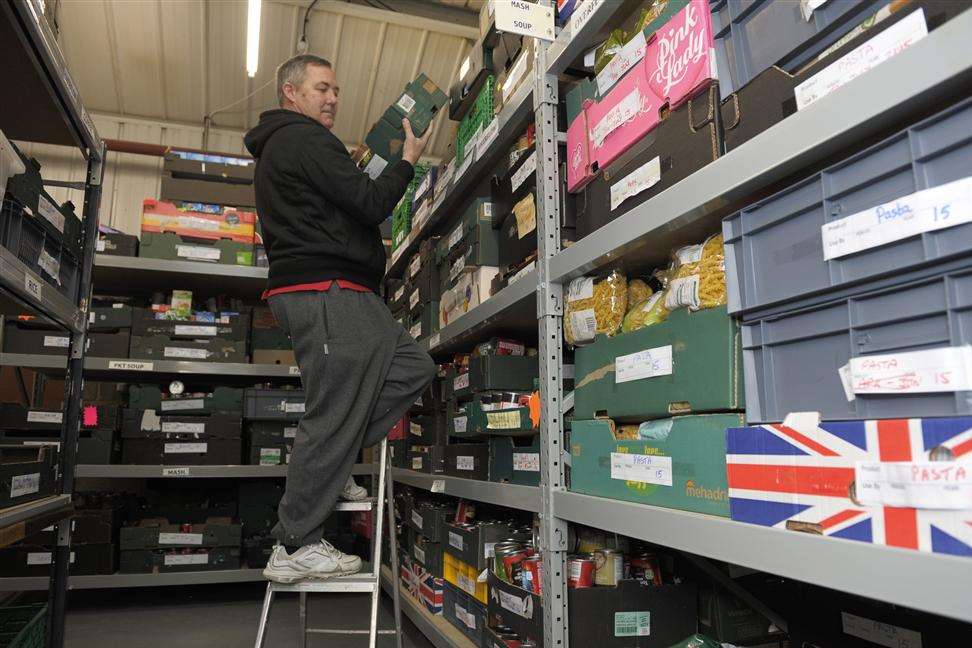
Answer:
(360, 369)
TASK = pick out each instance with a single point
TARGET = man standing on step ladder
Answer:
(360, 369)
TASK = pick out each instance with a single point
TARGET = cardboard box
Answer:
(428, 429)
(430, 520)
(145, 323)
(198, 221)
(157, 533)
(727, 618)
(117, 244)
(427, 459)
(422, 585)
(464, 576)
(465, 613)
(774, 481)
(516, 608)
(274, 357)
(19, 339)
(27, 473)
(177, 188)
(467, 460)
(419, 103)
(162, 347)
(495, 373)
(470, 290)
(427, 554)
(677, 465)
(260, 404)
(476, 420)
(25, 560)
(515, 460)
(213, 168)
(473, 545)
(173, 247)
(150, 397)
(425, 321)
(704, 373)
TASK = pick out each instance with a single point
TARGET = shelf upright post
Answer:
(553, 532)
(73, 383)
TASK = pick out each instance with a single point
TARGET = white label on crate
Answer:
(943, 485)
(520, 606)
(683, 291)
(177, 471)
(896, 38)
(527, 169)
(195, 223)
(643, 364)
(182, 427)
(416, 463)
(438, 486)
(192, 329)
(584, 324)
(417, 519)
(414, 265)
(43, 558)
(100, 245)
(416, 330)
(294, 408)
(525, 18)
(688, 254)
(180, 538)
(457, 267)
(523, 272)
(53, 444)
(513, 77)
(626, 109)
(421, 215)
(50, 213)
(944, 369)
(294, 370)
(929, 210)
(461, 382)
(50, 265)
(489, 550)
(622, 61)
(415, 429)
(44, 417)
(413, 300)
(419, 554)
(455, 540)
(186, 559)
(375, 166)
(401, 249)
(178, 404)
(183, 352)
(32, 286)
(882, 634)
(455, 237)
(433, 342)
(465, 463)
(632, 624)
(845, 381)
(406, 103)
(131, 365)
(21, 485)
(526, 461)
(641, 179)
(459, 423)
(644, 469)
(466, 162)
(582, 14)
(185, 448)
(437, 201)
(487, 138)
(466, 584)
(809, 6)
(290, 432)
(399, 294)
(580, 288)
(269, 456)
(198, 253)
(503, 420)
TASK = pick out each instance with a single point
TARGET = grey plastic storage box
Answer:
(752, 35)
(774, 248)
(791, 360)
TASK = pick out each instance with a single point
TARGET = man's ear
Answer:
(290, 92)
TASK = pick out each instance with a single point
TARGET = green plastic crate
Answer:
(23, 626)
(402, 215)
(480, 114)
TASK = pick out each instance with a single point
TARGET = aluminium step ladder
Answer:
(366, 581)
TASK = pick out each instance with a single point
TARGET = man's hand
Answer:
(414, 146)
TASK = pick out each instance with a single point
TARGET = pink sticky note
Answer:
(89, 417)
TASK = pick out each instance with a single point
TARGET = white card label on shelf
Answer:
(455, 237)
(487, 138)
(513, 79)
(416, 463)
(181, 404)
(416, 330)
(290, 432)
(527, 169)
(198, 253)
(622, 61)
(461, 382)
(641, 179)
(466, 162)
(34, 416)
(438, 486)
(50, 213)
(455, 540)
(928, 210)
(58, 341)
(180, 538)
(183, 427)
(399, 293)
(32, 286)
(421, 215)
(946, 369)
(644, 469)
(417, 519)
(433, 342)
(503, 420)
(643, 364)
(185, 448)
(406, 103)
(397, 254)
(186, 559)
(100, 245)
(525, 18)
(942, 485)
(526, 461)
(131, 365)
(21, 485)
(521, 606)
(464, 462)
(419, 554)
(882, 634)
(43, 558)
(183, 352)
(459, 423)
(177, 471)
(193, 329)
(623, 112)
(582, 15)
(294, 370)
(413, 300)
(294, 408)
(466, 584)
(457, 267)
(896, 38)
(524, 271)
(414, 265)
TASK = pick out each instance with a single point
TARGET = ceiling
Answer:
(179, 60)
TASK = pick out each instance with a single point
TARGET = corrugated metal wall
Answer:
(128, 178)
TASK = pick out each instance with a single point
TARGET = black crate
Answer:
(142, 561)
(158, 533)
(235, 327)
(35, 560)
(109, 318)
(42, 252)
(474, 544)
(162, 347)
(427, 459)
(273, 404)
(467, 460)
(516, 608)
(27, 473)
(117, 244)
(221, 399)
(60, 222)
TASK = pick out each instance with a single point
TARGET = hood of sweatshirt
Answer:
(270, 122)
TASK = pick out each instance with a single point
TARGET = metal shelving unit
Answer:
(106, 581)
(436, 629)
(48, 110)
(121, 275)
(524, 498)
(123, 471)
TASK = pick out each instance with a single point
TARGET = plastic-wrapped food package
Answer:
(638, 291)
(606, 51)
(699, 280)
(594, 307)
(645, 313)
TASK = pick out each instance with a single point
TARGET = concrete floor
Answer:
(219, 616)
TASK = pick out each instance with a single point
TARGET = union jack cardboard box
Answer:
(422, 585)
(899, 482)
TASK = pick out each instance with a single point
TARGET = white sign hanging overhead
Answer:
(525, 18)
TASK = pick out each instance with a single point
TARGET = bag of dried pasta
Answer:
(638, 291)
(699, 280)
(645, 313)
(594, 307)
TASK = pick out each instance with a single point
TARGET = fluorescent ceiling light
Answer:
(253, 36)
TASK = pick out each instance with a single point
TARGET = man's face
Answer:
(317, 96)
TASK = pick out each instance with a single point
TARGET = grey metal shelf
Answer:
(918, 77)
(435, 628)
(568, 46)
(16, 296)
(121, 275)
(933, 583)
(107, 581)
(524, 498)
(514, 117)
(124, 471)
(134, 369)
(512, 310)
(56, 506)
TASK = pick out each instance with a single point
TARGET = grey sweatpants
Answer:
(361, 372)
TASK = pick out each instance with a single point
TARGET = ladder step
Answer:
(363, 505)
(349, 632)
(364, 581)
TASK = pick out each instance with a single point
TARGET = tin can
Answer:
(532, 575)
(580, 572)
(513, 563)
(500, 551)
(528, 643)
(608, 567)
(644, 567)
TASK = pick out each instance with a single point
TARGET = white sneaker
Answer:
(354, 493)
(310, 562)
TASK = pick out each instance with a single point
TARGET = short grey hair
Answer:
(294, 69)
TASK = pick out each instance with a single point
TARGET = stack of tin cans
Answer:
(605, 567)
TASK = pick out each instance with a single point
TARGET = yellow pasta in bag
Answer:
(700, 276)
(638, 291)
(594, 307)
(648, 312)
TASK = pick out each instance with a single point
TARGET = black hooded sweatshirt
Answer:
(319, 213)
